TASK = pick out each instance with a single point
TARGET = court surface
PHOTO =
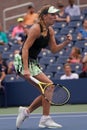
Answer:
(69, 121)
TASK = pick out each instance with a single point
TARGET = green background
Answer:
(54, 109)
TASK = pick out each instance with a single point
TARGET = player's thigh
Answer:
(43, 78)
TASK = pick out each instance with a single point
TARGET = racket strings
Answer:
(57, 95)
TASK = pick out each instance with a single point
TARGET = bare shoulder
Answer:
(35, 30)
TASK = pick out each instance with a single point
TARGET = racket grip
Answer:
(35, 80)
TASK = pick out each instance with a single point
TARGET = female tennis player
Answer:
(40, 36)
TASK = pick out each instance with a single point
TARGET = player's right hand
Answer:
(26, 74)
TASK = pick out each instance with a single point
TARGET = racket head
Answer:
(56, 94)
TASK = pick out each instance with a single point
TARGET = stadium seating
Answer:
(58, 75)
(59, 25)
(60, 38)
(61, 59)
(54, 68)
(69, 46)
(15, 47)
(56, 30)
(61, 53)
(47, 60)
(76, 67)
(77, 18)
(74, 37)
(84, 11)
(80, 44)
(49, 74)
(75, 24)
(1, 49)
(6, 48)
(84, 52)
(43, 67)
(42, 54)
(85, 44)
(66, 30)
(7, 55)
(13, 77)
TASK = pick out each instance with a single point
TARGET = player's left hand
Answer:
(69, 37)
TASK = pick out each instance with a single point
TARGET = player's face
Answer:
(50, 18)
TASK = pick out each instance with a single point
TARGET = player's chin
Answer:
(52, 22)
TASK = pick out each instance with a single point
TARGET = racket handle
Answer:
(35, 80)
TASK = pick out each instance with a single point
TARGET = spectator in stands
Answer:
(17, 61)
(11, 67)
(72, 9)
(31, 16)
(3, 63)
(17, 30)
(82, 32)
(62, 16)
(24, 35)
(68, 73)
(3, 36)
(2, 76)
(83, 74)
(2, 69)
(75, 56)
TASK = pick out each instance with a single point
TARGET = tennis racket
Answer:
(55, 94)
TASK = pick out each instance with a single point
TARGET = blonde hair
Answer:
(43, 11)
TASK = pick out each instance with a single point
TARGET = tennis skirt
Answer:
(34, 67)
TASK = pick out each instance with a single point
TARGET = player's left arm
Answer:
(55, 47)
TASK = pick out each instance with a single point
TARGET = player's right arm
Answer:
(34, 33)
